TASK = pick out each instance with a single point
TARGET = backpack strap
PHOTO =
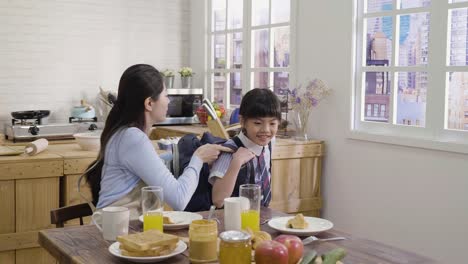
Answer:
(250, 163)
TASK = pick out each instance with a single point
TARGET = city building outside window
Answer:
(249, 47)
(412, 62)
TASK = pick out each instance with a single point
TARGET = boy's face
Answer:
(260, 130)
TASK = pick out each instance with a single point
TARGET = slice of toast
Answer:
(153, 252)
(167, 220)
(298, 222)
(147, 240)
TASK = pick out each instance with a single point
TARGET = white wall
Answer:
(411, 198)
(53, 53)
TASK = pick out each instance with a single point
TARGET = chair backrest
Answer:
(217, 129)
(61, 215)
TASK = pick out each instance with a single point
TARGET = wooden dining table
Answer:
(85, 244)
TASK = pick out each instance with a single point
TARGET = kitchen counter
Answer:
(31, 186)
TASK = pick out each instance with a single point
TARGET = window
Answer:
(249, 48)
(412, 63)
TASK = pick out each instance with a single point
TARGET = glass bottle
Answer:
(203, 236)
(235, 248)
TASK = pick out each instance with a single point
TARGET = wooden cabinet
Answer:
(75, 163)
(296, 170)
(28, 191)
(296, 173)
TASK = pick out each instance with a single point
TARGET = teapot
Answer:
(83, 111)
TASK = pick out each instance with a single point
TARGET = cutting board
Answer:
(7, 151)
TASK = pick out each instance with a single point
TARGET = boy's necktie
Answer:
(266, 188)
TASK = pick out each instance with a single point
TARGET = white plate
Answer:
(181, 219)
(115, 250)
(316, 225)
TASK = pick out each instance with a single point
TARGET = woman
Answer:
(127, 160)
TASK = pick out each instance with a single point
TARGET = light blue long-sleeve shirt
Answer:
(129, 157)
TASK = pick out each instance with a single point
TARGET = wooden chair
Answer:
(61, 215)
(217, 129)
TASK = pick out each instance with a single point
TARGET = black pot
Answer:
(33, 114)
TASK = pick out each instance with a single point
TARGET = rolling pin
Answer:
(36, 146)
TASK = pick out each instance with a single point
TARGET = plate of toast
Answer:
(148, 246)
(173, 220)
(300, 225)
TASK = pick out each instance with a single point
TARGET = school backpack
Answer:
(182, 154)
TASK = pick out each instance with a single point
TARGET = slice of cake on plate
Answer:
(298, 222)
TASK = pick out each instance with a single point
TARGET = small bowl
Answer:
(88, 140)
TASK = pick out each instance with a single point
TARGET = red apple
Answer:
(271, 252)
(294, 246)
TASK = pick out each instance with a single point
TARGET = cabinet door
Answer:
(34, 200)
(7, 205)
(7, 257)
(34, 255)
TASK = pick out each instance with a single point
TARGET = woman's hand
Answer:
(243, 155)
(208, 153)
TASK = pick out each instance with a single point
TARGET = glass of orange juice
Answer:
(250, 216)
(152, 205)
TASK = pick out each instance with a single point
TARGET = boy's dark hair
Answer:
(260, 103)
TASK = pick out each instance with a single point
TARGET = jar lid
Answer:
(234, 236)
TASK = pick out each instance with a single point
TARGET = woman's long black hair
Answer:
(137, 83)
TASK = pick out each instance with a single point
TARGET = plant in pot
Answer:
(168, 76)
(186, 74)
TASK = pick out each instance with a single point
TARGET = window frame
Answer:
(247, 71)
(434, 135)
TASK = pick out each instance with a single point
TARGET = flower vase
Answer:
(301, 120)
(186, 81)
(169, 82)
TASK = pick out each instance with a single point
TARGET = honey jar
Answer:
(203, 236)
(235, 248)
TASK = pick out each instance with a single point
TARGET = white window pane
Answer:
(235, 10)
(376, 110)
(458, 37)
(281, 82)
(379, 41)
(236, 88)
(235, 50)
(412, 92)
(219, 51)
(414, 3)
(383, 110)
(377, 93)
(281, 46)
(261, 79)
(457, 1)
(260, 48)
(219, 87)
(368, 110)
(414, 39)
(218, 15)
(260, 12)
(280, 11)
(457, 103)
(379, 5)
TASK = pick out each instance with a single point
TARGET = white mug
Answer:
(233, 206)
(112, 221)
